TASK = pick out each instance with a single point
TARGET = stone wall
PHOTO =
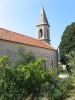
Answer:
(11, 48)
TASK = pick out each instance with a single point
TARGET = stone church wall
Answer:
(11, 48)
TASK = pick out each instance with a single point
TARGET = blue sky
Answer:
(21, 16)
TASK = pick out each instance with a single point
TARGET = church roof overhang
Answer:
(22, 39)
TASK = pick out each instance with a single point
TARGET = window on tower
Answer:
(47, 33)
(41, 33)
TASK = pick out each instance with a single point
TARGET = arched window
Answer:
(47, 33)
(41, 34)
(52, 62)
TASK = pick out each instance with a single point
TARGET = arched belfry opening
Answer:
(41, 33)
(47, 33)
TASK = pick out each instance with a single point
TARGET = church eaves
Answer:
(43, 19)
(22, 39)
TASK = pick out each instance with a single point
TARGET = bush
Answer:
(71, 63)
(20, 82)
(24, 57)
(60, 70)
(59, 92)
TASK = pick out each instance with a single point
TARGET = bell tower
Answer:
(43, 27)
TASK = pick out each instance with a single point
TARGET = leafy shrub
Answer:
(53, 73)
(60, 70)
(71, 62)
(59, 92)
(20, 82)
(24, 57)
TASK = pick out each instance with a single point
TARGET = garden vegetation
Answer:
(28, 77)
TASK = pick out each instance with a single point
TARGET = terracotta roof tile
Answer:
(16, 37)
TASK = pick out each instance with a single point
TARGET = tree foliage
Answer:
(67, 42)
(31, 79)
(18, 83)
(71, 62)
(24, 57)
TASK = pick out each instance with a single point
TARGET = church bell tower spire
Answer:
(43, 27)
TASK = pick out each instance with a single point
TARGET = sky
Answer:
(22, 16)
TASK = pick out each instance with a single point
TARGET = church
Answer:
(10, 42)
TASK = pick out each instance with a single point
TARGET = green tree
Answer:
(31, 79)
(67, 42)
(24, 57)
(4, 82)
(20, 82)
(71, 62)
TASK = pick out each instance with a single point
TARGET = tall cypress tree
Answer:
(67, 43)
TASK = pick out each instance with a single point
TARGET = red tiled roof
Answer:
(15, 37)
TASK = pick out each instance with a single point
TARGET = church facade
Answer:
(41, 48)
